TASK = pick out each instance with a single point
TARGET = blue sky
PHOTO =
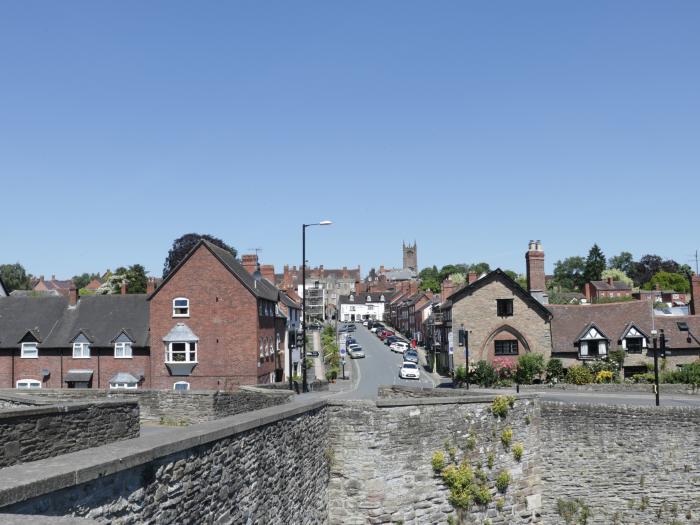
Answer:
(471, 127)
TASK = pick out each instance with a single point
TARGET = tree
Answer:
(429, 279)
(646, 268)
(458, 278)
(669, 281)
(617, 275)
(479, 268)
(81, 281)
(449, 269)
(595, 264)
(182, 246)
(134, 275)
(623, 262)
(15, 277)
(568, 274)
(518, 278)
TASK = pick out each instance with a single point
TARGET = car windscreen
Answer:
(409, 365)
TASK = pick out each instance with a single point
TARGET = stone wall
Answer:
(176, 407)
(664, 388)
(627, 464)
(381, 470)
(267, 467)
(404, 392)
(31, 434)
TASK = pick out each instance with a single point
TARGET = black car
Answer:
(349, 341)
(351, 328)
(391, 339)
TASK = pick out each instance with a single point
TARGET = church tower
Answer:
(410, 257)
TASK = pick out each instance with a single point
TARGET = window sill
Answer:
(29, 357)
(123, 357)
(181, 315)
(81, 357)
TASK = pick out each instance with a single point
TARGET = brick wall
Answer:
(31, 434)
(223, 314)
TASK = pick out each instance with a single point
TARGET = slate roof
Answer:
(400, 275)
(604, 286)
(262, 288)
(102, 318)
(19, 315)
(675, 338)
(569, 321)
(288, 301)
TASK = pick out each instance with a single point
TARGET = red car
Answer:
(385, 334)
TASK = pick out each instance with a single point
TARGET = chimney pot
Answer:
(73, 295)
(150, 286)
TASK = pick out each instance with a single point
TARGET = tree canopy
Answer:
(134, 275)
(617, 275)
(15, 277)
(568, 274)
(669, 281)
(623, 262)
(182, 246)
(430, 279)
(595, 264)
(81, 281)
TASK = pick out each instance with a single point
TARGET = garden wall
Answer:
(381, 471)
(627, 464)
(34, 433)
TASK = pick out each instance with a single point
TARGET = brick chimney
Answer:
(534, 262)
(695, 294)
(588, 292)
(249, 262)
(381, 268)
(150, 285)
(345, 272)
(320, 272)
(123, 289)
(53, 277)
(72, 295)
(268, 272)
(471, 277)
(610, 281)
(447, 288)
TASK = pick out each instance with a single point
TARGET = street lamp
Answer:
(305, 387)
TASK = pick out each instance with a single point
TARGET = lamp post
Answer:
(305, 387)
(656, 363)
(464, 341)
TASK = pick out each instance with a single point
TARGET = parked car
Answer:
(391, 339)
(365, 323)
(351, 328)
(376, 327)
(355, 352)
(399, 346)
(409, 371)
(410, 356)
(385, 334)
(350, 341)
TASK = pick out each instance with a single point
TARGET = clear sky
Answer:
(471, 127)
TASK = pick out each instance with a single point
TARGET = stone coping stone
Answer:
(34, 479)
(23, 399)
(457, 400)
(23, 519)
(44, 410)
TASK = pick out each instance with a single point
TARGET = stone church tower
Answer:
(410, 257)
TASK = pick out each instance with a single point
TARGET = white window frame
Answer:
(187, 351)
(123, 386)
(80, 349)
(176, 308)
(262, 347)
(181, 383)
(31, 383)
(125, 349)
(24, 354)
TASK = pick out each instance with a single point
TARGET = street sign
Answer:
(342, 350)
(450, 346)
(295, 355)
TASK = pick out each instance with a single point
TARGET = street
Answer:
(380, 367)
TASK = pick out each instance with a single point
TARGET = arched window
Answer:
(181, 307)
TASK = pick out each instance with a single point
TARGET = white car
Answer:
(355, 351)
(409, 371)
(399, 346)
(365, 323)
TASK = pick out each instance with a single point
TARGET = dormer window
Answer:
(634, 341)
(592, 344)
(381, 298)
(352, 297)
(369, 298)
(122, 350)
(81, 350)
(29, 351)
(181, 307)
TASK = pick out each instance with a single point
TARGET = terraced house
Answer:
(210, 325)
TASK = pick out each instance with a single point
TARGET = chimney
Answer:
(588, 292)
(150, 286)
(610, 281)
(41, 278)
(381, 269)
(250, 262)
(473, 276)
(268, 272)
(72, 295)
(447, 288)
(123, 290)
(534, 262)
(53, 277)
(345, 272)
(695, 295)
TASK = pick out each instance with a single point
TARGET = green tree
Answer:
(479, 268)
(15, 277)
(182, 246)
(617, 275)
(623, 262)
(134, 275)
(669, 281)
(458, 278)
(530, 366)
(568, 274)
(81, 281)
(595, 264)
(429, 279)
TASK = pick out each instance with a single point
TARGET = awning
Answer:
(123, 377)
(78, 376)
(181, 333)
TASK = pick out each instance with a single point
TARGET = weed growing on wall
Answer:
(501, 404)
(573, 511)
(439, 461)
(502, 481)
(518, 450)
(507, 437)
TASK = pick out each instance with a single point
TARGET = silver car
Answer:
(355, 351)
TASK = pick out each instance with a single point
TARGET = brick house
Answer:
(58, 286)
(607, 289)
(213, 324)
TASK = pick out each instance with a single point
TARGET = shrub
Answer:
(500, 504)
(643, 378)
(530, 367)
(504, 367)
(484, 374)
(604, 376)
(481, 494)
(579, 375)
(518, 450)
(460, 375)
(555, 370)
(688, 374)
(471, 441)
(439, 461)
(490, 460)
(502, 481)
(573, 511)
(507, 437)
(499, 407)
